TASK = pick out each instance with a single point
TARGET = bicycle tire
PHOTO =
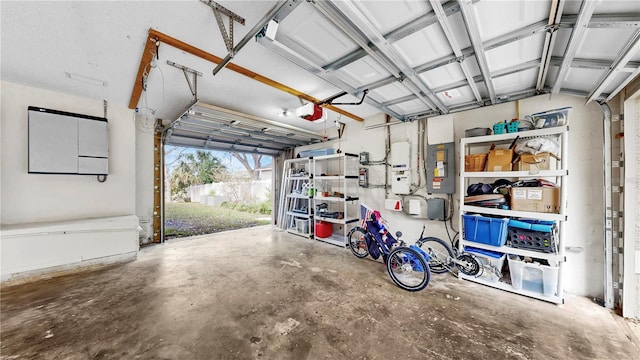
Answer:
(358, 242)
(469, 265)
(408, 269)
(440, 253)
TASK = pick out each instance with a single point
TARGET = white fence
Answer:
(242, 191)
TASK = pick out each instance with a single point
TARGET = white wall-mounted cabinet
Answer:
(67, 143)
(549, 275)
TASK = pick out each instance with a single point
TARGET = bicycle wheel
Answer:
(440, 252)
(408, 269)
(358, 242)
(468, 264)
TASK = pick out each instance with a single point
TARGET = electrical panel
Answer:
(400, 156)
(441, 168)
(363, 177)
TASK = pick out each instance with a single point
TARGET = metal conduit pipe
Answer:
(608, 219)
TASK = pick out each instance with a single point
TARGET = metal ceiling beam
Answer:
(346, 16)
(254, 30)
(632, 67)
(470, 21)
(494, 75)
(400, 100)
(629, 50)
(623, 84)
(397, 34)
(626, 20)
(613, 20)
(448, 33)
(577, 35)
(590, 64)
(555, 13)
(466, 52)
(315, 69)
(474, 105)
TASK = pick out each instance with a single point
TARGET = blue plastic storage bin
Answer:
(485, 230)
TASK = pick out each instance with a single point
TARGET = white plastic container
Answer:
(302, 226)
(533, 277)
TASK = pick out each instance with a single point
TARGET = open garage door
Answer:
(209, 127)
(214, 128)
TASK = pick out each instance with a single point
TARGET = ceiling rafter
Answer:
(502, 40)
(555, 14)
(473, 30)
(625, 20)
(478, 78)
(577, 36)
(309, 65)
(629, 50)
(592, 64)
(397, 34)
(355, 25)
(448, 33)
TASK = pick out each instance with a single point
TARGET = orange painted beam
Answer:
(145, 61)
(149, 52)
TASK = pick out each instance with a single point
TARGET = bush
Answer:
(259, 208)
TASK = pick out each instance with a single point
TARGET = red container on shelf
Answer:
(323, 229)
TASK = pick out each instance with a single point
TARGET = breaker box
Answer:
(441, 169)
(363, 177)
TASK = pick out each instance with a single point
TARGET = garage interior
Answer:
(288, 79)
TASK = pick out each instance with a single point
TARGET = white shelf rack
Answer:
(559, 175)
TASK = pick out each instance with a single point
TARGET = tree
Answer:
(207, 168)
(194, 169)
(181, 178)
(244, 160)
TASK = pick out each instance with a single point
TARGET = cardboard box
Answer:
(535, 199)
(500, 160)
(537, 162)
(475, 162)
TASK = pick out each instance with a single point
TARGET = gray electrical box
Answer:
(441, 169)
(435, 209)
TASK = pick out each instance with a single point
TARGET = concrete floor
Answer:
(261, 293)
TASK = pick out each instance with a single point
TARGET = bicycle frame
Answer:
(385, 246)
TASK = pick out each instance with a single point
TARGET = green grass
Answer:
(188, 219)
